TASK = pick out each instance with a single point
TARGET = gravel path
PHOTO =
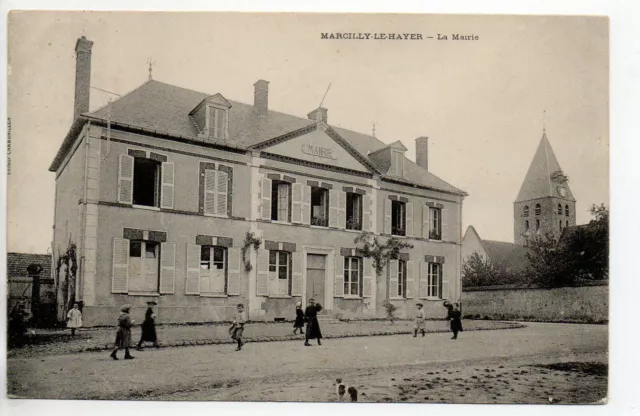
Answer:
(199, 372)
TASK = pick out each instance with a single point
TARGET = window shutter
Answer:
(222, 191)
(266, 200)
(167, 268)
(387, 216)
(193, 270)
(120, 276)
(296, 202)
(425, 221)
(445, 284)
(342, 209)
(209, 191)
(166, 194)
(366, 213)
(125, 180)
(424, 279)
(409, 219)
(296, 284)
(367, 277)
(443, 223)
(411, 279)
(339, 272)
(234, 271)
(333, 208)
(306, 204)
(393, 279)
(263, 272)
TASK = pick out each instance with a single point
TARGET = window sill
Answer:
(145, 207)
(351, 297)
(352, 231)
(216, 215)
(213, 295)
(279, 297)
(322, 227)
(144, 294)
(431, 240)
(434, 298)
(280, 222)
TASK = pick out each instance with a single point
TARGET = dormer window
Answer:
(211, 118)
(216, 123)
(397, 163)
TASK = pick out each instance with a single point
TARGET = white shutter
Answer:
(266, 199)
(411, 279)
(339, 280)
(210, 191)
(296, 202)
(393, 279)
(333, 207)
(262, 272)
(387, 216)
(342, 209)
(443, 224)
(166, 193)
(424, 279)
(125, 180)
(425, 221)
(366, 213)
(296, 284)
(409, 219)
(120, 276)
(234, 271)
(367, 277)
(193, 270)
(221, 192)
(167, 268)
(445, 283)
(306, 204)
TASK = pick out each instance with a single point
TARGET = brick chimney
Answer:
(261, 97)
(83, 76)
(422, 152)
(319, 114)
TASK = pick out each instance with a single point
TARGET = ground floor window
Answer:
(434, 280)
(143, 266)
(280, 269)
(352, 276)
(213, 269)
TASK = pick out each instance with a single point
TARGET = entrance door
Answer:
(316, 265)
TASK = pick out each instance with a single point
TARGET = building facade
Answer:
(165, 190)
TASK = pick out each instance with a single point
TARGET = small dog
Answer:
(341, 389)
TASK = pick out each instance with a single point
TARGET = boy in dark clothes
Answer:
(454, 315)
(299, 322)
(313, 327)
(238, 326)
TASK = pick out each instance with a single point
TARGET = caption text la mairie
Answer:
(394, 36)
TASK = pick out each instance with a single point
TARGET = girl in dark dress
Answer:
(299, 322)
(454, 315)
(149, 328)
(313, 327)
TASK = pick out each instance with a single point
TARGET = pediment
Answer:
(318, 146)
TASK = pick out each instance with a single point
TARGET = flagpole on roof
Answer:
(108, 119)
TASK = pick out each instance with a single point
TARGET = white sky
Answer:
(480, 102)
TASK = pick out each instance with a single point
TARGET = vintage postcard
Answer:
(308, 207)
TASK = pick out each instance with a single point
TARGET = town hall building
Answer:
(166, 190)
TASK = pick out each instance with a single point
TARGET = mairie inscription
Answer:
(318, 151)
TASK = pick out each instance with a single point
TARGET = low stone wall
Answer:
(565, 304)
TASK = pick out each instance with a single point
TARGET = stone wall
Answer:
(571, 304)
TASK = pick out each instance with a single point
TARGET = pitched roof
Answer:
(538, 183)
(164, 109)
(17, 264)
(512, 256)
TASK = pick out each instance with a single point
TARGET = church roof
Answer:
(512, 256)
(539, 181)
(164, 109)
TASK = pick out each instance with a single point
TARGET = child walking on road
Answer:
(299, 322)
(419, 322)
(238, 326)
(123, 335)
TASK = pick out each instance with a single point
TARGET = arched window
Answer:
(525, 211)
(559, 209)
(538, 226)
(526, 225)
(566, 210)
(538, 209)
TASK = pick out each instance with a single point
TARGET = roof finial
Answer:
(544, 121)
(150, 62)
(374, 130)
(325, 96)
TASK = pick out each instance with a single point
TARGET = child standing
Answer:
(299, 322)
(454, 316)
(419, 321)
(74, 319)
(238, 326)
(123, 335)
